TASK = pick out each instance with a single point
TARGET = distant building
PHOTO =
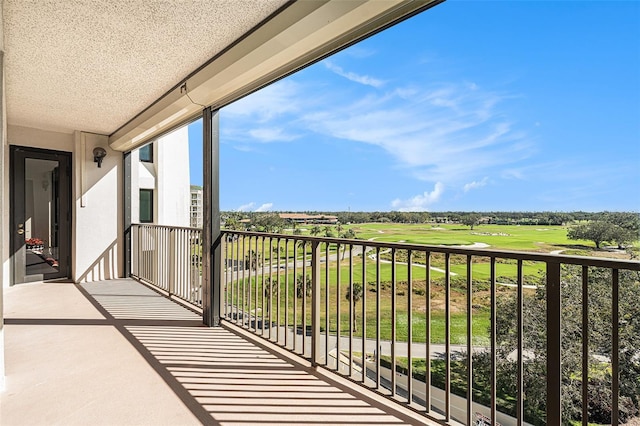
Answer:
(306, 218)
(196, 206)
(160, 180)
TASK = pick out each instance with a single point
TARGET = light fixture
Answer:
(98, 155)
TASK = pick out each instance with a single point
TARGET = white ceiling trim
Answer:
(297, 36)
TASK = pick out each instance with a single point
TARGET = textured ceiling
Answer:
(92, 65)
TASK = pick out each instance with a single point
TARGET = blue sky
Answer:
(469, 106)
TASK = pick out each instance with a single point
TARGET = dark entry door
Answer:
(40, 214)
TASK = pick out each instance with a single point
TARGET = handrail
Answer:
(602, 262)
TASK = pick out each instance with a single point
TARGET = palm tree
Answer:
(270, 288)
(303, 287)
(315, 230)
(349, 234)
(357, 295)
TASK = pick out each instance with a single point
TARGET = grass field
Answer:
(507, 237)
(503, 237)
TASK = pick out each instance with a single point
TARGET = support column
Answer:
(211, 237)
(127, 213)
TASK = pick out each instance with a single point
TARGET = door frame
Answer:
(64, 158)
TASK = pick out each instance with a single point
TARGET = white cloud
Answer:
(447, 133)
(264, 208)
(272, 101)
(271, 134)
(361, 79)
(420, 202)
(441, 134)
(245, 207)
(475, 184)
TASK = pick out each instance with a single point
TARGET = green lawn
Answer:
(508, 237)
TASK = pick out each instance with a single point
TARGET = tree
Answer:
(303, 286)
(599, 303)
(471, 220)
(267, 222)
(270, 288)
(328, 231)
(598, 231)
(254, 260)
(348, 234)
(357, 295)
(315, 230)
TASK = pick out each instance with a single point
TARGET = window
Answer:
(146, 205)
(146, 153)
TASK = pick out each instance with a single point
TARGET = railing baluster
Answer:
(520, 332)
(364, 313)
(394, 317)
(409, 327)
(615, 348)
(378, 348)
(315, 305)
(338, 293)
(249, 286)
(469, 339)
(255, 290)
(269, 289)
(235, 241)
(304, 299)
(493, 340)
(295, 295)
(262, 279)
(351, 311)
(244, 281)
(286, 290)
(427, 375)
(326, 301)
(228, 310)
(554, 337)
(447, 336)
(585, 345)
(278, 291)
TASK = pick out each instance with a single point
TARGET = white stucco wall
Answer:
(173, 182)
(4, 263)
(97, 248)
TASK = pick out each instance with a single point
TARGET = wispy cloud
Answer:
(245, 207)
(450, 132)
(357, 78)
(476, 184)
(264, 208)
(442, 134)
(271, 134)
(420, 202)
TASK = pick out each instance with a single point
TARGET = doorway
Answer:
(40, 214)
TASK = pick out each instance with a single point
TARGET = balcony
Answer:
(305, 339)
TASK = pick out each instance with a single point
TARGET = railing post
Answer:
(554, 336)
(315, 303)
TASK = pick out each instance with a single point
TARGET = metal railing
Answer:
(440, 329)
(461, 334)
(169, 258)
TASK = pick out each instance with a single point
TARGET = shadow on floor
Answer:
(221, 377)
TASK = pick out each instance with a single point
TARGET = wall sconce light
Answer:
(98, 155)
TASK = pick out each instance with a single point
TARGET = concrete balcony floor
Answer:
(118, 353)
